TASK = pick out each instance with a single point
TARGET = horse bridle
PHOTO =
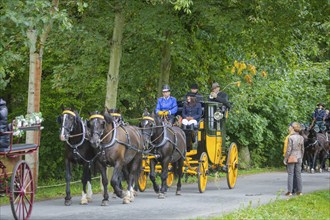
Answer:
(98, 116)
(153, 125)
(65, 113)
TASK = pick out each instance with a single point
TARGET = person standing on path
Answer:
(285, 147)
(295, 148)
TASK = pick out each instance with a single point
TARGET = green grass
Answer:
(310, 206)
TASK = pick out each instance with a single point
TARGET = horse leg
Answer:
(163, 176)
(84, 180)
(105, 200)
(67, 201)
(128, 196)
(179, 170)
(131, 174)
(153, 175)
(116, 180)
(324, 156)
(314, 162)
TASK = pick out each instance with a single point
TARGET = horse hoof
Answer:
(161, 196)
(312, 171)
(126, 201)
(89, 199)
(67, 202)
(84, 202)
(320, 170)
(105, 203)
(178, 193)
(135, 193)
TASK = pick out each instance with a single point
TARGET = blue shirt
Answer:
(168, 104)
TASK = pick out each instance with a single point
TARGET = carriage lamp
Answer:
(217, 115)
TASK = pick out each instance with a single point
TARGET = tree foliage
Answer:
(278, 50)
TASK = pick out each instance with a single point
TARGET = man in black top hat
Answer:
(194, 90)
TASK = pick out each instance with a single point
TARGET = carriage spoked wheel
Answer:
(203, 167)
(232, 165)
(142, 181)
(170, 176)
(21, 191)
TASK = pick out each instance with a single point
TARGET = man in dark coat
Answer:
(219, 96)
(319, 116)
(4, 139)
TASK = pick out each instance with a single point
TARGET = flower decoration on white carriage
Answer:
(30, 119)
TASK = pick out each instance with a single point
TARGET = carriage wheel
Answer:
(203, 166)
(232, 165)
(21, 191)
(170, 176)
(142, 181)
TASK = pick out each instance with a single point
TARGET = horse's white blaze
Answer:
(89, 191)
(62, 138)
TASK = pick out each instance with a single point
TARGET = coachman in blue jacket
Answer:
(166, 105)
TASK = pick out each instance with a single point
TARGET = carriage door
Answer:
(213, 126)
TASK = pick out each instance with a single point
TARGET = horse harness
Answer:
(167, 128)
(74, 147)
(115, 140)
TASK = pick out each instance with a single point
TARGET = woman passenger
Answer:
(191, 112)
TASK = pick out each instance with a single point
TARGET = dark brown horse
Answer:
(168, 144)
(77, 151)
(316, 147)
(120, 146)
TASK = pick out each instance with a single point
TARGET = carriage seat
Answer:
(19, 147)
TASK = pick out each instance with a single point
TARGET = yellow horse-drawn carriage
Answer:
(206, 151)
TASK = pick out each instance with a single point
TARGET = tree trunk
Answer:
(165, 65)
(33, 99)
(35, 72)
(113, 73)
(115, 57)
(244, 157)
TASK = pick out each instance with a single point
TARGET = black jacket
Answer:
(222, 97)
(4, 139)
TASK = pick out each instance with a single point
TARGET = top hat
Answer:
(215, 85)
